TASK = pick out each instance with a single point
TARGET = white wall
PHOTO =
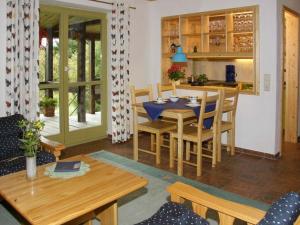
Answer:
(256, 115)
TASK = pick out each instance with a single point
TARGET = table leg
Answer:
(135, 135)
(180, 144)
(108, 214)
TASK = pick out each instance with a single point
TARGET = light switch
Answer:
(267, 82)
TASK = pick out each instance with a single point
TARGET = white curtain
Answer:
(120, 61)
(21, 77)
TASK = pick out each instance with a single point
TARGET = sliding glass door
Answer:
(77, 68)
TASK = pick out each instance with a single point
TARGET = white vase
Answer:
(31, 167)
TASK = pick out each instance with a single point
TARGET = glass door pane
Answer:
(85, 99)
(85, 80)
(49, 70)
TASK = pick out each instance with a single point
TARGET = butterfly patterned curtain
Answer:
(120, 60)
(22, 46)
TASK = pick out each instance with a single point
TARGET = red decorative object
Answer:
(175, 72)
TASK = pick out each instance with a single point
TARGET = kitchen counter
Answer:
(210, 86)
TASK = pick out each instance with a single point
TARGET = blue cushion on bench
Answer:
(285, 211)
(174, 214)
(9, 125)
(10, 147)
(17, 164)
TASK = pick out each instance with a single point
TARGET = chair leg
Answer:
(199, 158)
(152, 141)
(219, 146)
(232, 142)
(172, 149)
(188, 150)
(157, 148)
(214, 151)
(229, 136)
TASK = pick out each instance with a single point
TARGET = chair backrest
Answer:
(229, 101)
(164, 88)
(143, 92)
(209, 114)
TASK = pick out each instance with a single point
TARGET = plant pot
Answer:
(31, 167)
(177, 82)
(49, 111)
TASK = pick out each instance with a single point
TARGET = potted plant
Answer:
(175, 73)
(202, 79)
(30, 143)
(48, 105)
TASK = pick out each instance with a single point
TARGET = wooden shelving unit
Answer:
(229, 34)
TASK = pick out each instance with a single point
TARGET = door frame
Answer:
(71, 138)
(286, 9)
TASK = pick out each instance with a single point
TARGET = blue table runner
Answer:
(154, 110)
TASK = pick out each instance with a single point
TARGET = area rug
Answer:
(145, 202)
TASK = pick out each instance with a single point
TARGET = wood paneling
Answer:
(290, 77)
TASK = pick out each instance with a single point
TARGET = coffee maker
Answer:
(230, 74)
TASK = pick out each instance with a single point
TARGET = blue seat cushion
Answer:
(285, 211)
(9, 147)
(19, 163)
(174, 214)
(9, 125)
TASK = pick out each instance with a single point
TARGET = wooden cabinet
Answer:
(219, 36)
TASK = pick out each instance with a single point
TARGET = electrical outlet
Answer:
(267, 82)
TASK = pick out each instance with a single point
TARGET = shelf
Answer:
(218, 36)
(241, 32)
(185, 86)
(221, 55)
(215, 33)
(191, 34)
(171, 36)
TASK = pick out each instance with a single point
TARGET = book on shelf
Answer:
(71, 166)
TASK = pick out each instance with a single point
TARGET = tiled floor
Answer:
(250, 176)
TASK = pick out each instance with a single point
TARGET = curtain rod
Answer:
(108, 3)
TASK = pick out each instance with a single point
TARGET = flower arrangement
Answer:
(175, 73)
(31, 136)
(202, 78)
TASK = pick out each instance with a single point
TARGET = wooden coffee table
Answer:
(73, 201)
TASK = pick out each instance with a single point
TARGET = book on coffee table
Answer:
(72, 166)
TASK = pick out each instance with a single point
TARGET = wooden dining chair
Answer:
(198, 134)
(156, 128)
(165, 88)
(226, 124)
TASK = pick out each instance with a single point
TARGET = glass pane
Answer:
(49, 111)
(49, 63)
(84, 49)
(84, 107)
(49, 47)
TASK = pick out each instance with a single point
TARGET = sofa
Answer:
(12, 158)
(284, 211)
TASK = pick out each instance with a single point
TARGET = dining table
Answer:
(178, 114)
